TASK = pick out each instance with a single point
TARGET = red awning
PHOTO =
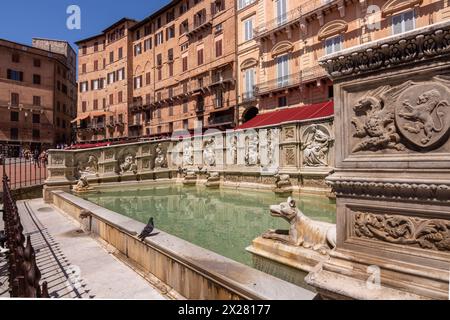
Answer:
(309, 112)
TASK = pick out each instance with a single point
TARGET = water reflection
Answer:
(222, 220)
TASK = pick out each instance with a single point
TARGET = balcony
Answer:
(221, 80)
(294, 80)
(221, 119)
(201, 23)
(137, 104)
(293, 17)
(249, 96)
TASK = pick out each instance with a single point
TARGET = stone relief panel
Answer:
(57, 159)
(316, 144)
(413, 116)
(109, 154)
(188, 153)
(126, 160)
(209, 153)
(87, 164)
(252, 150)
(289, 133)
(431, 234)
(160, 160)
(290, 158)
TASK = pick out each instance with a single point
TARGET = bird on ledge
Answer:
(147, 230)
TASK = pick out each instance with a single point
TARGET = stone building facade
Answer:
(37, 94)
(281, 41)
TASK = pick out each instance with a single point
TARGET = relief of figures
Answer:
(209, 155)
(252, 150)
(160, 160)
(129, 165)
(89, 167)
(316, 147)
(188, 153)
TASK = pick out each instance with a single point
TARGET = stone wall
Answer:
(303, 150)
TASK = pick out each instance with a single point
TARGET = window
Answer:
(170, 32)
(111, 57)
(95, 104)
(64, 124)
(159, 74)
(282, 70)
(170, 70)
(120, 74)
(171, 127)
(83, 106)
(15, 58)
(111, 77)
(171, 110)
(36, 79)
(83, 68)
(282, 102)
(36, 101)
(14, 75)
(111, 99)
(14, 99)
(95, 65)
(184, 27)
(138, 82)
(184, 46)
(84, 86)
(148, 44)
(170, 16)
(14, 133)
(333, 45)
(36, 134)
(184, 7)
(37, 63)
(158, 22)
(120, 97)
(185, 63)
(147, 30)
(281, 11)
(218, 99)
(84, 49)
(120, 53)
(137, 49)
(244, 3)
(14, 116)
(185, 106)
(36, 118)
(147, 78)
(403, 22)
(186, 124)
(217, 6)
(218, 28)
(159, 38)
(219, 48)
(95, 46)
(138, 34)
(200, 56)
(248, 29)
(249, 83)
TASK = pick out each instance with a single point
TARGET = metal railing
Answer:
(25, 170)
(24, 274)
(303, 8)
(248, 96)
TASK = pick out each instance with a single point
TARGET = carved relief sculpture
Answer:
(209, 155)
(129, 165)
(316, 147)
(188, 153)
(417, 114)
(160, 160)
(90, 167)
(433, 234)
(82, 185)
(252, 150)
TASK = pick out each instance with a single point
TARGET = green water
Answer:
(224, 221)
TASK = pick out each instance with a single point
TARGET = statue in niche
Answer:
(90, 167)
(316, 147)
(160, 160)
(209, 154)
(252, 150)
(234, 149)
(188, 153)
(129, 165)
(272, 144)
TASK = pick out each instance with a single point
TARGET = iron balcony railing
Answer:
(199, 23)
(304, 8)
(304, 76)
(249, 96)
(221, 120)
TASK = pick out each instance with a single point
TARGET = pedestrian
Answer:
(36, 157)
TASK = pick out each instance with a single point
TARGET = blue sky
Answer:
(21, 20)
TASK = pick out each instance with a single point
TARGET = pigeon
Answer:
(147, 230)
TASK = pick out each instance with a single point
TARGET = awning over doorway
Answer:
(91, 114)
(308, 112)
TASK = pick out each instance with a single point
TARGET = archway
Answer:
(249, 114)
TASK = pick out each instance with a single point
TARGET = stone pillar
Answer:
(392, 177)
(60, 172)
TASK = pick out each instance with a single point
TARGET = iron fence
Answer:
(24, 274)
(24, 170)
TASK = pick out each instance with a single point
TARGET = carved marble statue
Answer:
(272, 144)
(252, 150)
(129, 165)
(160, 160)
(310, 234)
(188, 153)
(209, 154)
(82, 185)
(234, 149)
(90, 167)
(316, 148)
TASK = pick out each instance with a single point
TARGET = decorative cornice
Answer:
(423, 191)
(394, 6)
(413, 46)
(282, 47)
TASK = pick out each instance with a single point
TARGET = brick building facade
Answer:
(37, 94)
